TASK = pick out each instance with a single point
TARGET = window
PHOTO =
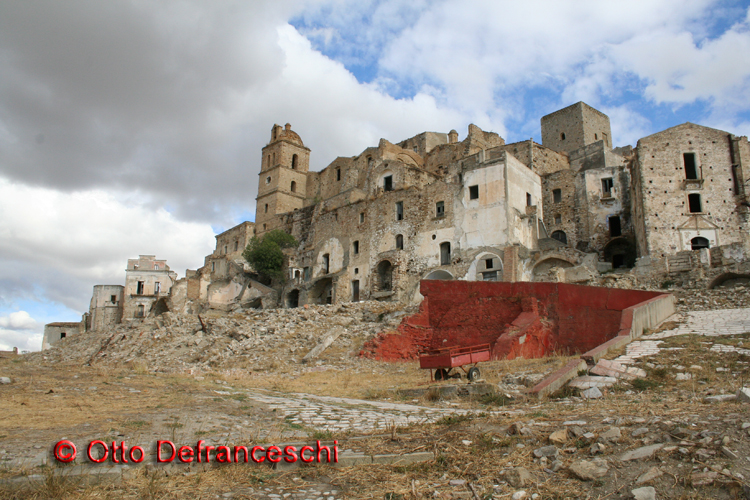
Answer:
(361, 217)
(607, 185)
(266, 208)
(268, 180)
(489, 276)
(157, 288)
(614, 226)
(355, 247)
(355, 291)
(605, 139)
(139, 313)
(226, 249)
(440, 209)
(139, 288)
(338, 174)
(326, 263)
(557, 195)
(488, 263)
(269, 161)
(473, 192)
(236, 245)
(699, 242)
(294, 162)
(264, 227)
(306, 273)
(414, 148)
(399, 242)
(213, 267)
(156, 267)
(596, 136)
(293, 187)
(558, 219)
(369, 162)
(113, 299)
(560, 236)
(562, 136)
(388, 183)
(691, 172)
(399, 210)
(694, 203)
(445, 254)
(528, 199)
(63, 335)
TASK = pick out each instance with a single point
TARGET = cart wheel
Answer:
(473, 374)
(441, 374)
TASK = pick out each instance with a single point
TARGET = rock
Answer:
(574, 422)
(457, 482)
(588, 471)
(556, 465)
(559, 437)
(643, 452)
(612, 435)
(587, 382)
(4, 380)
(640, 431)
(466, 442)
(743, 395)
(645, 493)
(729, 453)
(546, 451)
(683, 376)
(518, 477)
(592, 393)
(519, 495)
(607, 368)
(703, 478)
(597, 448)
(649, 475)
(720, 398)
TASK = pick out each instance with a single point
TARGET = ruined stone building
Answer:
(433, 207)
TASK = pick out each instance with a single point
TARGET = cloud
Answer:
(19, 329)
(19, 320)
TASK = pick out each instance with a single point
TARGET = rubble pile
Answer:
(701, 299)
(253, 339)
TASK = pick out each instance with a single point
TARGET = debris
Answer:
(589, 470)
(645, 493)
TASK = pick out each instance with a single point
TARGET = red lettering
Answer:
(256, 459)
(99, 460)
(237, 452)
(199, 450)
(336, 451)
(302, 454)
(140, 450)
(208, 453)
(276, 456)
(185, 450)
(158, 451)
(321, 448)
(114, 452)
(290, 454)
(223, 455)
(60, 451)
(123, 449)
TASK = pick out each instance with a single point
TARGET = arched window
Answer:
(445, 254)
(294, 162)
(699, 242)
(562, 136)
(399, 242)
(560, 236)
(294, 187)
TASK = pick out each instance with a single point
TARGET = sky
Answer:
(136, 127)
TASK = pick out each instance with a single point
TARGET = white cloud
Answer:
(19, 329)
(19, 320)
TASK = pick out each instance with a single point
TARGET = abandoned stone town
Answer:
(603, 292)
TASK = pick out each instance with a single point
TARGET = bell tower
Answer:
(282, 186)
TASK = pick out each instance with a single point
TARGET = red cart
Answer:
(445, 359)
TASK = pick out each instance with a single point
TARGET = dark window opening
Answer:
(557, 195)
(558, 219)
(473, 192)
(140, 312)
(139, 288)
(489, 276)
(326, 263)
(355, 291)
(306, 273)
(388, 183)
(399, 242)
(361, 217)
(699, 242)
(488, 263)
(607, 185)
(618, 261)
(63, 335)
(440, 208)
(528, 199)
(369, 162)
(294, 166)
(614, 226)
(265, 209)
(294, 187)
(596, 136)
(385, 276)
(445, 254)
(236, 245)
(113, 298)
(562, 136)
(296, 274)
(356, 247)
(691, 172)
(292, 299)
(157, 288)
(338, 174)
(560, 236)
(694, 203)
(399, 210)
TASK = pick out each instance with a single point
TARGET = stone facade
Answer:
(54, 332)
(147, 285)
(106, 306)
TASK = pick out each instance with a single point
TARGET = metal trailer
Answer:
(445, 359)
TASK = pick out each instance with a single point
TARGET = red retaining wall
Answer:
(520, 319)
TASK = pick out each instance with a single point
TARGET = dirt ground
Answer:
(705, 452)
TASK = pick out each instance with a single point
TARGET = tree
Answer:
(266, 255)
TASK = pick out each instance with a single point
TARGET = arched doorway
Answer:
(560, 236)
(699, 242)
(620, 252)
(292, 299)
(385, 276)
